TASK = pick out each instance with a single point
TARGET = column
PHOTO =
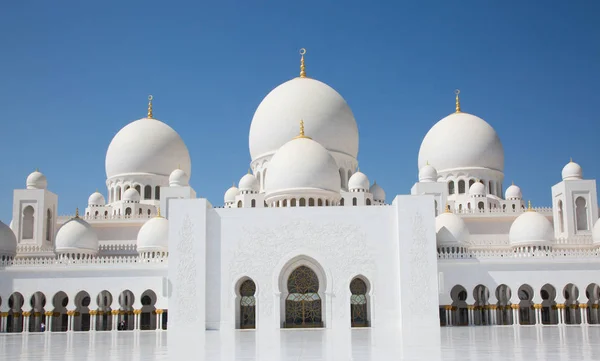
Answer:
(92, 320)
(114, 319)
(584, 314)
(2, 317)
(448, 315)
(136, 319)
(26, 322)
(560, 307)
(160, 313)
(515, 311)
(471, 315)
(538, 314)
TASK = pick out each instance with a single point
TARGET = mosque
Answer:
(304, 240)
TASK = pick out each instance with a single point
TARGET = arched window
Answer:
(148, 192)
(342, 202)
(581, 214)
(435, 207)
(253, 203)
(320, 202)
(303, 303)
(127, 211)
(247, 305)
(118, 193)
(239, 204)
(471, 182)
(480, 205)
(451, 187)
(490, 187)
(49, 225)
(27, 228)
(138, 188)
(293, 202)
(140, 212)
(461, 186)
(96, 214)
(311, 202)
(342, 178)
(368, 201)
(358, 303)
(561, 223)
(302, 202)
(157, 192)
(354, 201)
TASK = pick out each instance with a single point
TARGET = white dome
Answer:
(230, 194)
(96, 199)
(531, 228)
(154, 235)
(359, 181)
(248, 183)
(146, 146)
(462, 141)
(329, 120)
(8, 241)
(572, 171)
(178, 178)
(513, 192)
(427, 173)
(596, 232)
(131, 195)
(76, 236)
(377, 192)
(37, 180)
(450, 230)
(302, 165)
(477, 189)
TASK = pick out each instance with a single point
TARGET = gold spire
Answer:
(301, 135)
(158, 212)
(302, 67)
(457, 91)
(448, 208)
(529, 209)
(571, 160)
(150, 97)
(512, 183)
(249, 171)
(37, 169)
(76, 212)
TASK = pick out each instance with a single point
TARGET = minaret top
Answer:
(302, 67)
(150, 97)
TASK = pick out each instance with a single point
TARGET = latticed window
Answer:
(248, 304)
(358, 303)
(303, 303)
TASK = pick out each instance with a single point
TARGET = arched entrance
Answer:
(247, 304)
(303, 303)
(358, 303)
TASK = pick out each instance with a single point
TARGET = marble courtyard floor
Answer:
(457, 343)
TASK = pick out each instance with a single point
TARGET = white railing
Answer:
(86, 260)
(524, 252)
(109, 217)
(544, 210)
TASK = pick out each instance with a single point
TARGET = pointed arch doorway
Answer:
(303, 306)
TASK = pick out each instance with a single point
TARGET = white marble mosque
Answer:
(304, 240)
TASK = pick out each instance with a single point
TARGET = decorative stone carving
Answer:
(420, 282)
(186, 272)
(344, 247)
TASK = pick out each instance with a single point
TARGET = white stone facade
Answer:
(304, 239)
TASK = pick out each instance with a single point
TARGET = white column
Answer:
(2, 321)
(26, 324)
(584, 314)
(515, 312)
(114, 321)
(448, 316)
(471, 315)
(50, 323)
(560, 308)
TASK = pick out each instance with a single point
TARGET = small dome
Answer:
(359, 181)
(8, 241)
(377, 192)
(131, 195)
(450, 230)
(513, 192)
(596, 232)
(96, 199)
(76, 236)
(248, 183)
(302, 165)
(427, 173)
(477, 189)
(531, 228)
(178, 178)
(230, 194)
(572, 171)
(154, 235)
(37, 180)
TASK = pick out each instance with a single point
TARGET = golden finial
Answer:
(427, 163)
(301, 135)
(529, 209)
(158, 212)
(570, 159)
(150, 97)
(37, 169)
(249, 171)
(302, 67)
(448, 208)
(76, 212)
(457, 91)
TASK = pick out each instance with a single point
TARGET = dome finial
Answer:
(158, 211)
(301, 135)
(529, 209)
(302, 67)
(150, 97)
(249, 171)
(457, 91)
(512, 183)
(570, 159)
(77, 212)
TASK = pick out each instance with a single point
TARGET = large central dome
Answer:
(147, 146)
(328, 118)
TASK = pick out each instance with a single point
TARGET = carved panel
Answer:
(186, 277)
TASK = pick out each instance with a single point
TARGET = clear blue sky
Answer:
(73, 73)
